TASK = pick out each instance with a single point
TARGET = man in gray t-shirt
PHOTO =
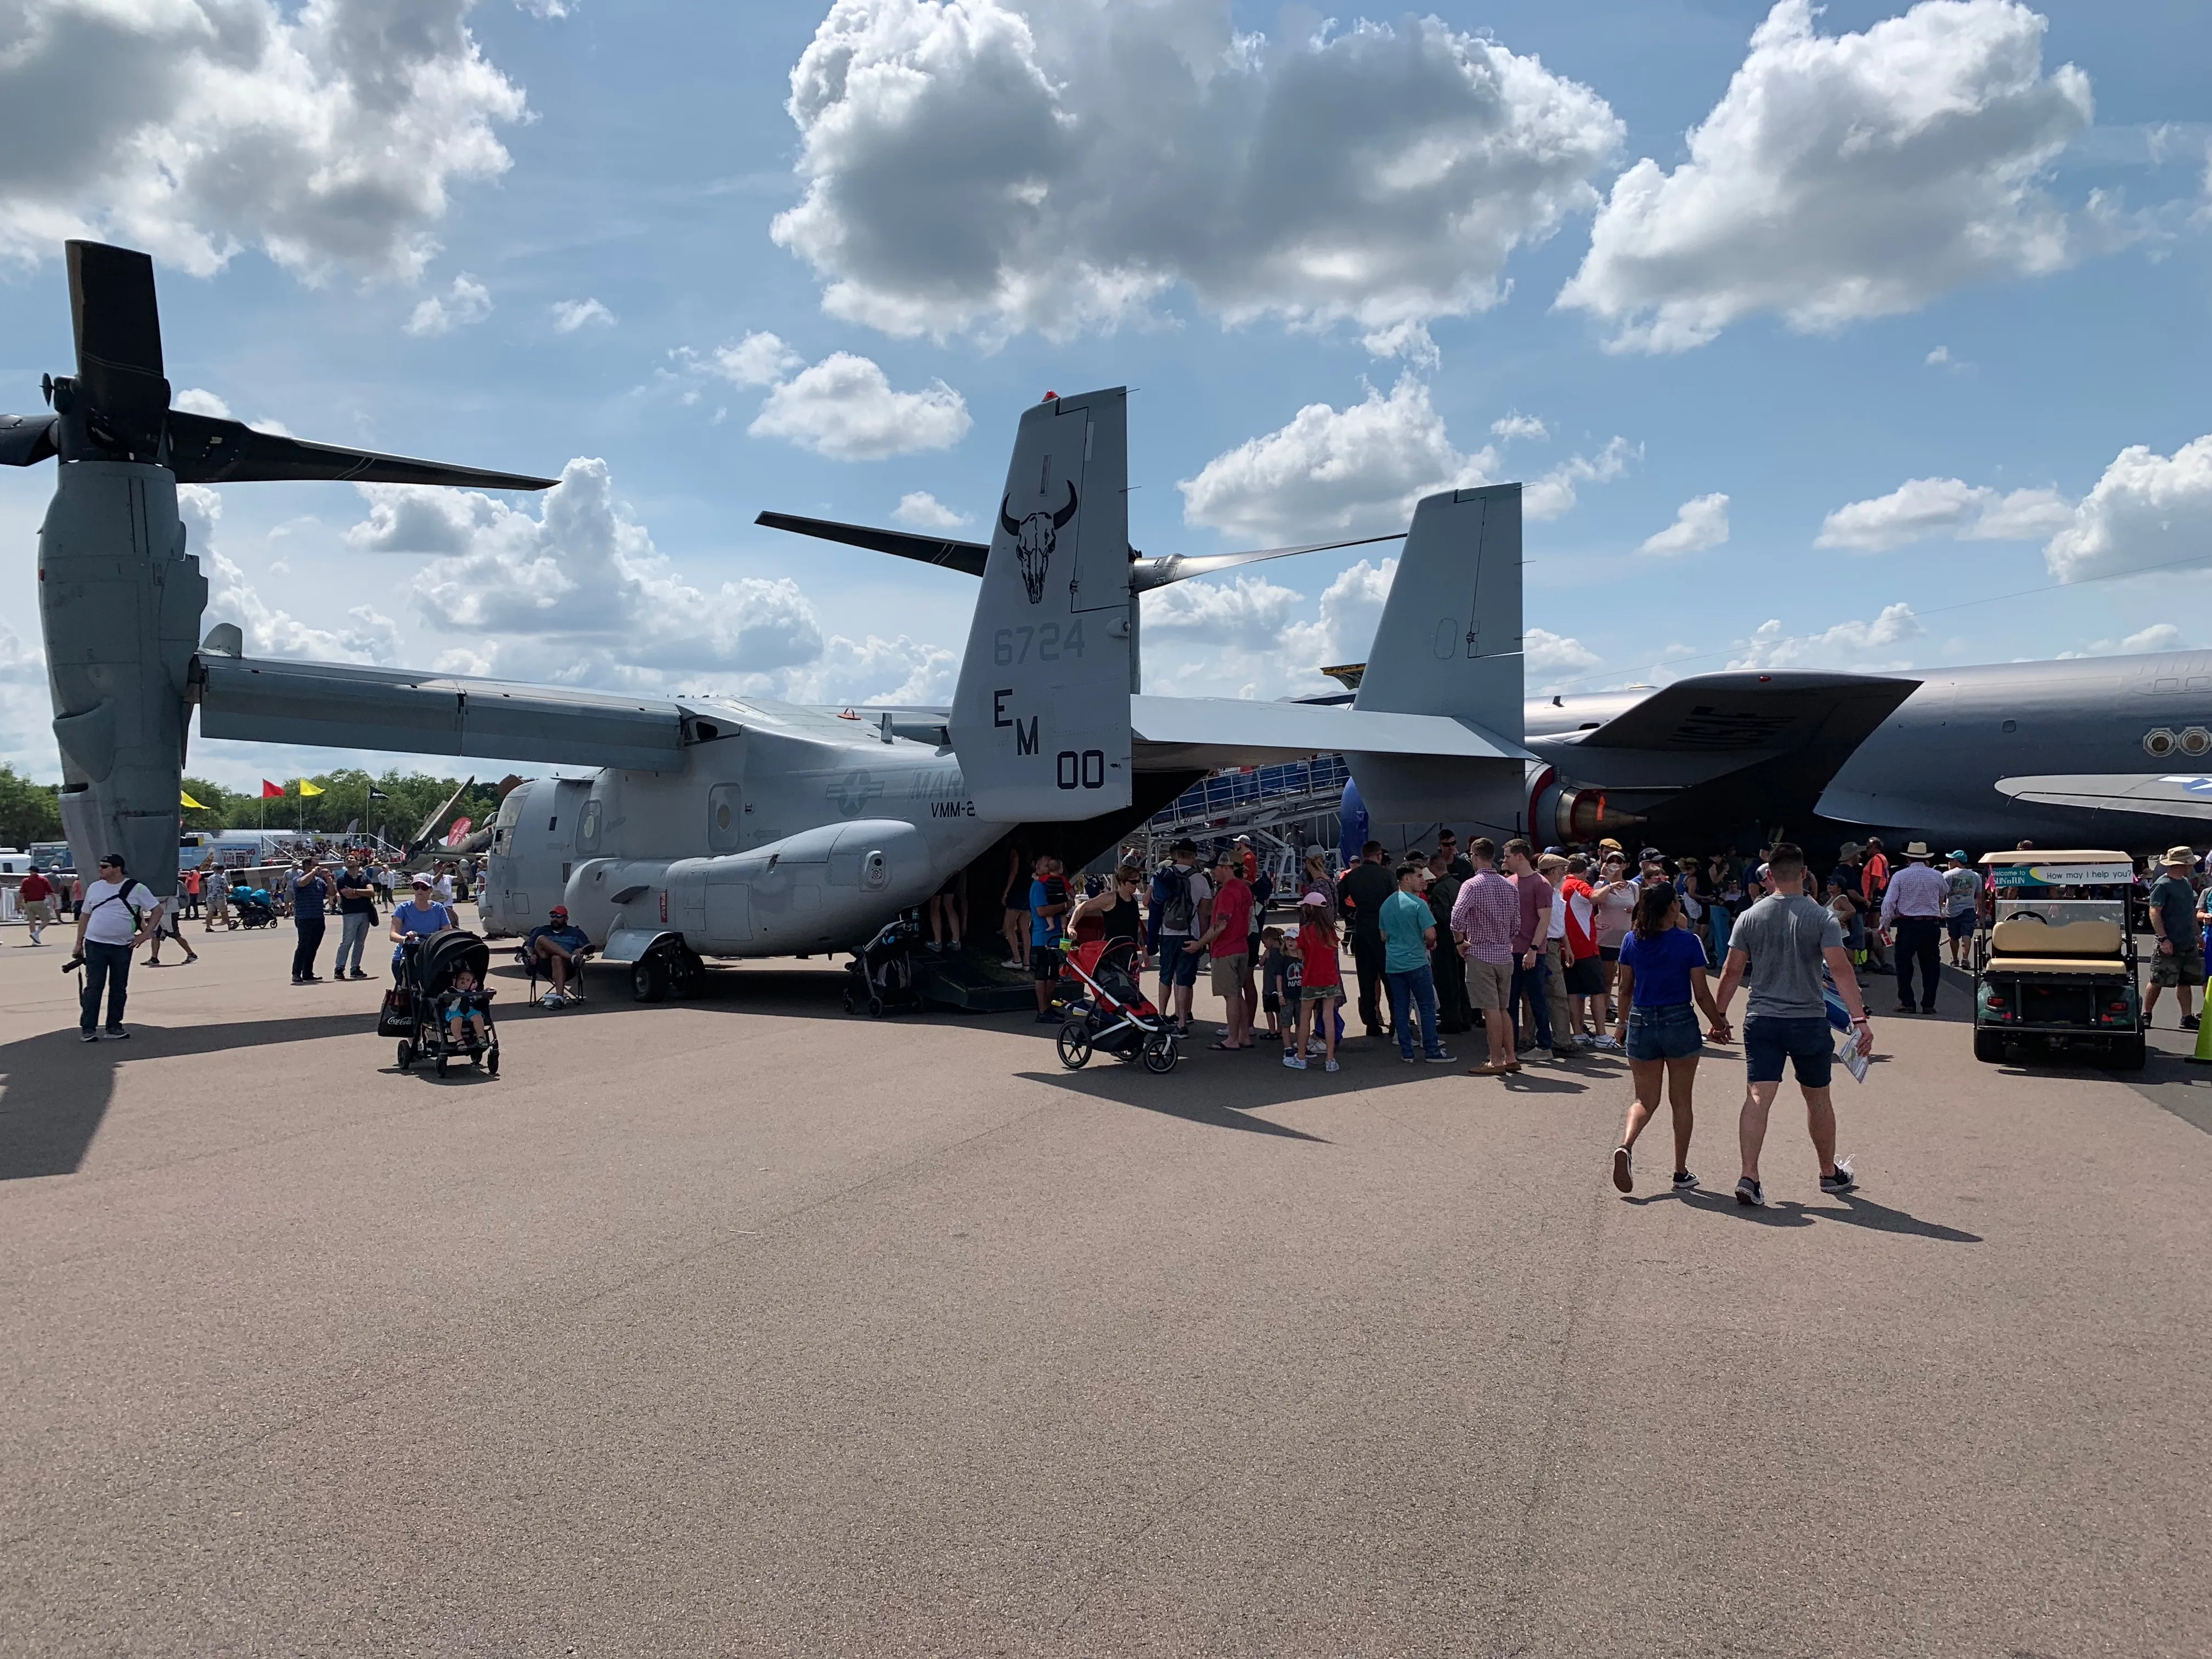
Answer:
(1778, 947)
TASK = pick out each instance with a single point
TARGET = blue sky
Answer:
(1903, 249)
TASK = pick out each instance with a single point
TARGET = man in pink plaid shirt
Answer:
(1483, 918)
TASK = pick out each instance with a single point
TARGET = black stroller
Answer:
(417, 1013)
(880, 977)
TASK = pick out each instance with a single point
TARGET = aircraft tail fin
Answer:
(1041, 718)
(1450, 643)
(1450, 640)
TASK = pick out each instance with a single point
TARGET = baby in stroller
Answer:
(465, 1010)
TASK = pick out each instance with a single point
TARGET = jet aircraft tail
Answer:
(1041, 718)
(1450, 643)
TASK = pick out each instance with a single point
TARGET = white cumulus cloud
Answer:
(1553, 494)
(2147, 641)
(1333, 471)
(1845, 176)
(1921, 507)
(998, 166)
(925, 512)
(759, 359)
(844, 408)
(367, 636)
(2147, 510)
(1515, 426)
(467, 302)
(328, 135)
(569, 315)
(1699, 523)
(1847, 644)
(577, 592)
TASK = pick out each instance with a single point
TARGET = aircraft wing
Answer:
(1740, 711)
(1174, 733)
(340, 706)
(2166, 795)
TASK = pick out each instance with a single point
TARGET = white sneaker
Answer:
(1331, 1066)
(1606, 1044)
(1294, 1063)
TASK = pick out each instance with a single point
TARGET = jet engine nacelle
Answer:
(823, 889)
(1566, 813)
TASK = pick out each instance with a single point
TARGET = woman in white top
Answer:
(1614, 892)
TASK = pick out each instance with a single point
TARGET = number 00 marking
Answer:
(1086, 770)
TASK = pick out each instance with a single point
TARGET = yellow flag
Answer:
(184, 799)
(306, 788)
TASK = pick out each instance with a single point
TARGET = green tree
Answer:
(28, 812)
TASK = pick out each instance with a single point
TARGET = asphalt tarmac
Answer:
(742, 1327)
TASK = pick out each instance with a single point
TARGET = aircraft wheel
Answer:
(1161, 1053)
(1074, 1045)
(1990, 1047)
(406, 1055)
(687, 974)
(648, 978)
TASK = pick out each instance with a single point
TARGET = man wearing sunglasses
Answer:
(119, 915)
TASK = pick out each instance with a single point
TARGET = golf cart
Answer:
(2055, 957)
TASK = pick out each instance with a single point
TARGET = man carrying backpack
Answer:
(1179, 895)
(118, 916)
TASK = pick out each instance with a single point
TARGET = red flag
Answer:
(271, 790)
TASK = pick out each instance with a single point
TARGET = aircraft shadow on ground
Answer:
(58, 1087)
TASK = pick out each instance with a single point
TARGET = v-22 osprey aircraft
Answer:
(730, 827)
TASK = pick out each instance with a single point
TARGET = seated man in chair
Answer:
(554, 946)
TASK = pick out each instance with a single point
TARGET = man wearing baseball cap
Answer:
(555, 943)
(2180, 959)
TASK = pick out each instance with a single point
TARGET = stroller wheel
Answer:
(1161, 1053)
(1074, 1045)
(406, 1055)
(875, 1007)
(441, 1065)
(851, 1006)
(491, 1061)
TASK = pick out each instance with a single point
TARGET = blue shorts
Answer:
(1666, 1033)
(1178, 965)
(1962, 925)
(1809, 1043)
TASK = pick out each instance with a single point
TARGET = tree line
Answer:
(31, 811)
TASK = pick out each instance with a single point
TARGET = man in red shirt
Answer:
(37, 896)
(1227, 940)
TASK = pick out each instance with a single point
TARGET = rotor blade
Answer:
(25, 439)
(119, 343)
(206, 450)
(964, 556)
(1146, 575)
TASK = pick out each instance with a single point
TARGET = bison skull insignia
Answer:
(1034, 539)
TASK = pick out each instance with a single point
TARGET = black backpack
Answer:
(1173, 885)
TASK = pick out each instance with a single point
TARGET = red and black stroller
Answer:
(1110, 1013)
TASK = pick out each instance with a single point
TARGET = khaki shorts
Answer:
(1489, 984)
(1229, 974)
(39, 910)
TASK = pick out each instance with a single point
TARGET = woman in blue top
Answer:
(420, 917)
(1662, 967)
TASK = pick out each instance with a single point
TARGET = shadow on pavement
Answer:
(1857, 1212)
(58, 1087)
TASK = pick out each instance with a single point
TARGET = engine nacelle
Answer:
(821, 890)
(1566, 813)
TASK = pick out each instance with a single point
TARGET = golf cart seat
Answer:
(2033, 935)
(2098, 967)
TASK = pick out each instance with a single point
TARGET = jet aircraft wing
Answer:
(1730, 713)
(2169, 795)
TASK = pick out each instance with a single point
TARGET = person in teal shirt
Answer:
(1409, 932)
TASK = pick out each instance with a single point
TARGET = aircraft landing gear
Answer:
(648, 978)
(668, 969)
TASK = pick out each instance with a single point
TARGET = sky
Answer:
(1860, 336)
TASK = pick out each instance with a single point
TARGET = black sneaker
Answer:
(1843, 1180)
(1903, 1008)
(1750, 1195)
(1684, 1181)
(88, 1036)
(2189, 1021)
(116, 1031)
(1624, 1176)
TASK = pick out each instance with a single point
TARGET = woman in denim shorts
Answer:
(1662, 970)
